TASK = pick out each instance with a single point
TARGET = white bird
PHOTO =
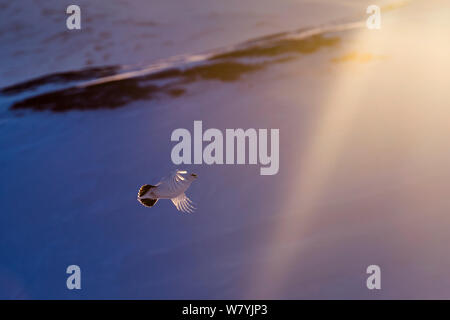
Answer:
(172, 187)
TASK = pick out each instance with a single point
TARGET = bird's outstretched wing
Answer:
(176, 180)
(183, 203)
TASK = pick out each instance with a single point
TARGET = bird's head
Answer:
(193, 176)
(183, 174)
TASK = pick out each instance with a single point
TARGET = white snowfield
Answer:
(35, 41)
(364, 163)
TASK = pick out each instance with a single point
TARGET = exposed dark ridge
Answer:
(110, 95)
(224, 71)
(102, 96)
(114, 94)
(164, 74)
(284, 46)
(176, 92)
(62, 77)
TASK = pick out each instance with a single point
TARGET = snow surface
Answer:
(35, 41)
(363, 179)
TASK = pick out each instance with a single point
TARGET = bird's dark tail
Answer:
(148, 202)
(144, 189)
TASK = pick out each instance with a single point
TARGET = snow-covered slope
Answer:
(363, 172)
(35, 41)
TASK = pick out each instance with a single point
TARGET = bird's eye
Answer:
(194, 175)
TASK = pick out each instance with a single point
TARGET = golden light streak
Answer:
(407, 47)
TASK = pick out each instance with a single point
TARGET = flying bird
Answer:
(172, 187)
